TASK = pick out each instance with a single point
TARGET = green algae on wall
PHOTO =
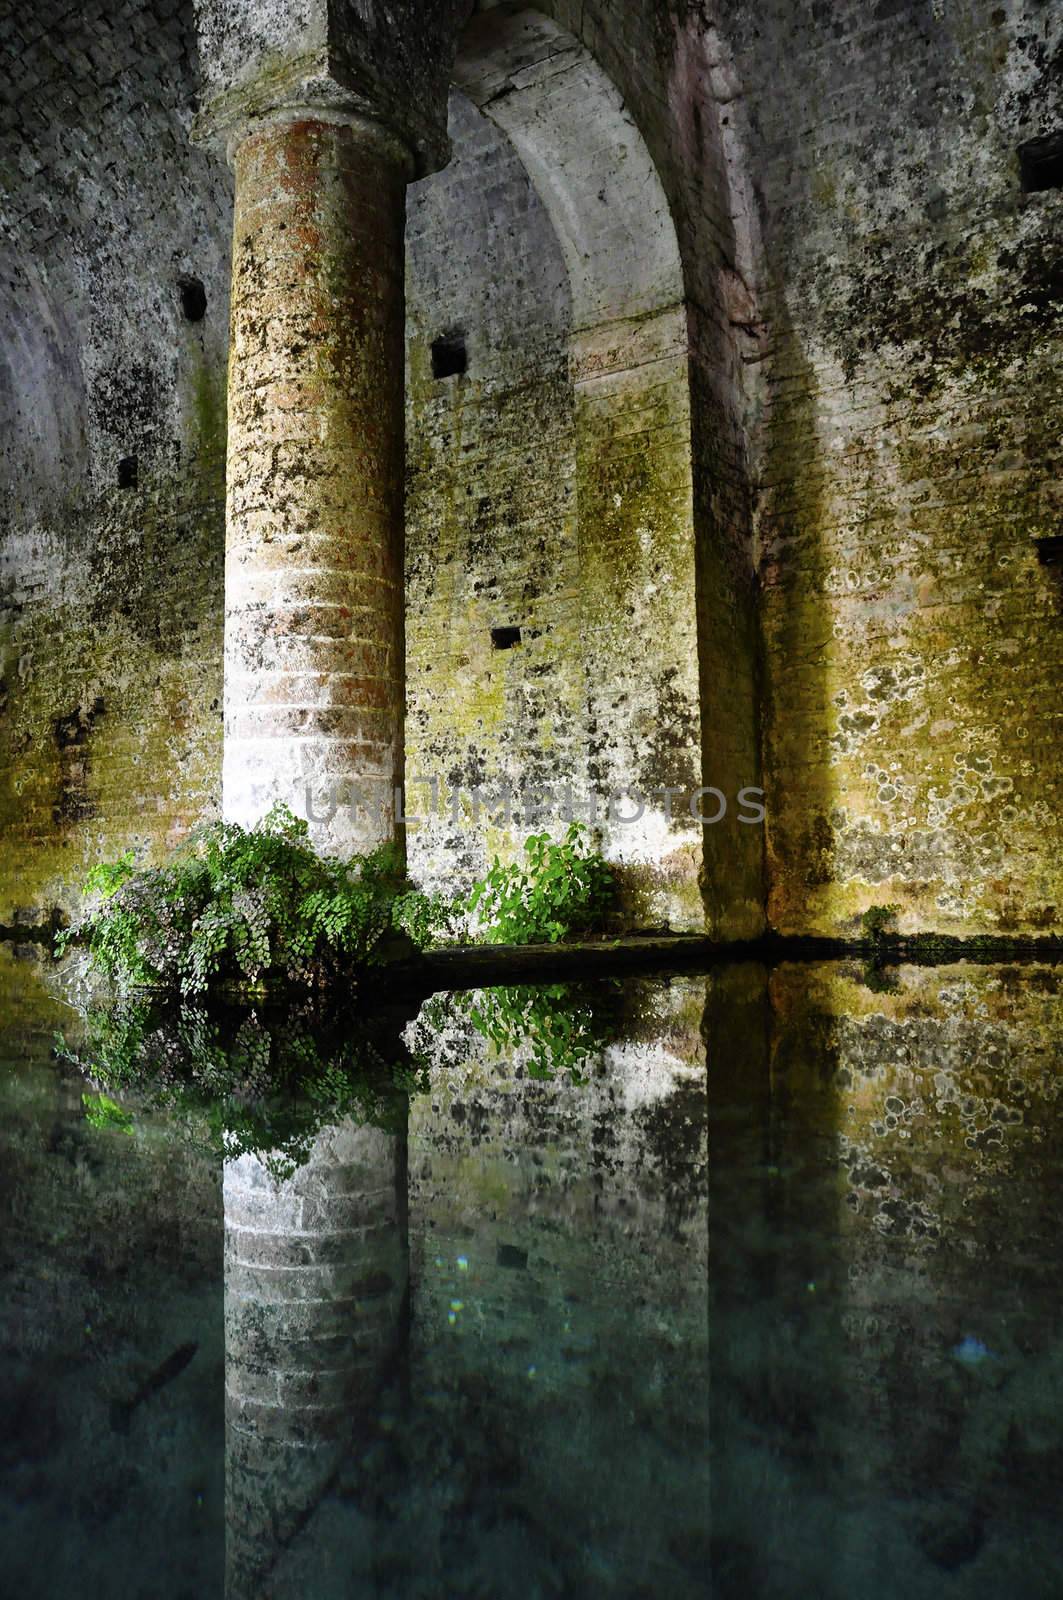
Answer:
(911, 635)
(111, 452)
(548, 492)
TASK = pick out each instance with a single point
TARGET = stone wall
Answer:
(909, 458)
(491, 521)
(638, 602)
(114, 246)
(867, 404)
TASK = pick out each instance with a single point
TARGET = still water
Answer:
(739, 1284)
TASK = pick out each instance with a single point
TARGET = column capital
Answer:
(381, 62)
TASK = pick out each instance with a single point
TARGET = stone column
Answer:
(314, 637)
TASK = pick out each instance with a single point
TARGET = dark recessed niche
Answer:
(127, 472)
(449, 356)
(193, 298)
(1050, 550)
(1041, 162)
(505, 638)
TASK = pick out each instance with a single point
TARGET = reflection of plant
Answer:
(103, 1112)
(236, 905)
(880, 979)
(562, 1026)
(243, 1081)
(565, 888)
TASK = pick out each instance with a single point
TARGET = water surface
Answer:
(740, 1284)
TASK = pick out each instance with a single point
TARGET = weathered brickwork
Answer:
(491, 538)
(114, 248)
(910, 460)
(314, 649)
(820, 333)
(622, 602)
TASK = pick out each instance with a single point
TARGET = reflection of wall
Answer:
(559, 1347)
(109, 1260)
(886, 1367)
(315, 1281)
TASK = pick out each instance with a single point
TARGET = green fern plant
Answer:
(564, 1029)
(103, 1112)
(250, 907)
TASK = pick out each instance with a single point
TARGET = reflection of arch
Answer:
(629, 512)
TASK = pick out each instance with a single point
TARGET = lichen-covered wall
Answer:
(114, 247)
(860, 391)
(550, 492)
(601, 509)
(491, 537)
(909, 458)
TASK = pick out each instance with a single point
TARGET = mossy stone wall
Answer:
(114, 334)
(909, 460)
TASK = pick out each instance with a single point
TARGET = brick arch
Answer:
(586, 157)
(628, 361)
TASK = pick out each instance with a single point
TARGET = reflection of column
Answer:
(315, 1280)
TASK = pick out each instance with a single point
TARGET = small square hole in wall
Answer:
(505, 638)
(1041, 162)
(127, 472)
(449, 356)
(1050, 550)
(193, 298)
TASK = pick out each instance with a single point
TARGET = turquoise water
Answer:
(740, 1284)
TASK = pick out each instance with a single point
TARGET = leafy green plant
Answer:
(559, 1028)
(876, 920)
(103, 1112)
(248, 907)
(564, 888)
(562, 1028)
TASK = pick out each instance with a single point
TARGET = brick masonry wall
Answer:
(112, 402)
(870, 296)
(491, 537)
(909, 459)
(550, 484)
